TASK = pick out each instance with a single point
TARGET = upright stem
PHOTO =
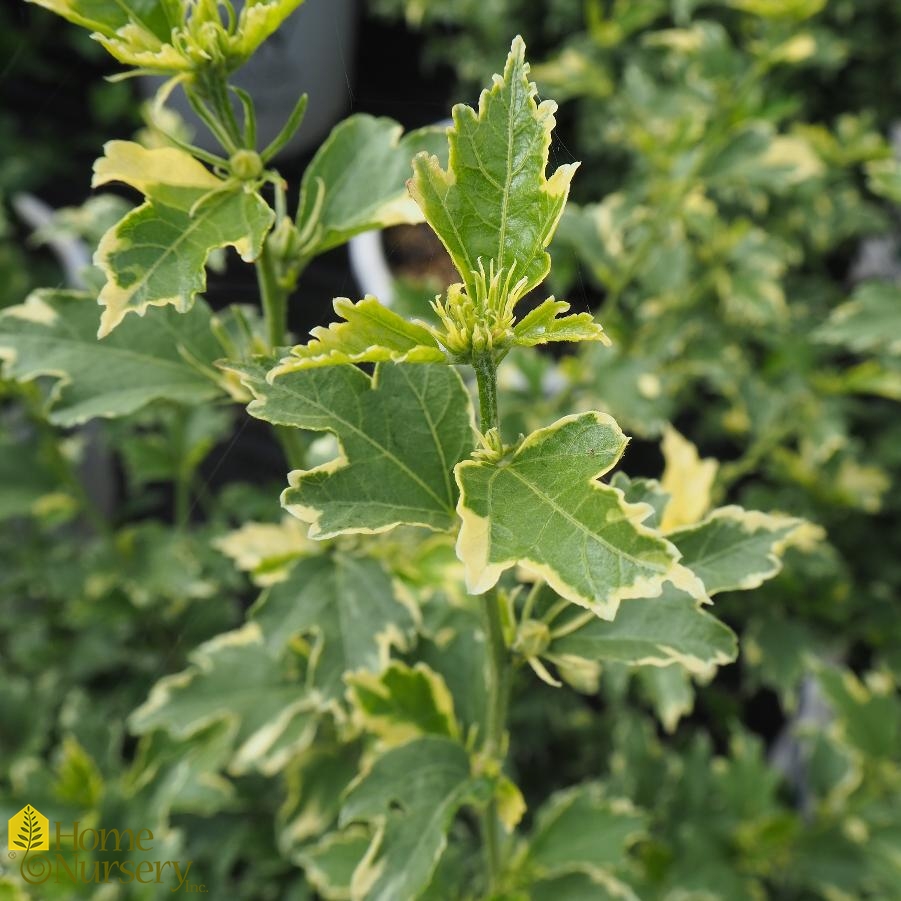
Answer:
(497, 668)
(497, 683)
(486, 379)
(274, 298)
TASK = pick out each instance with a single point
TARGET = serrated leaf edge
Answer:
(373, 682)
(559, 803)
(400, 209)
(703, 668)
(316, 875)
(473, 542)
(116, 300)
(299, 358)
(590, 329)
(296, 477)
(799, 532)
(367, 874)
(36, 310)
(253, 748)
(428, 166)
(312, 515)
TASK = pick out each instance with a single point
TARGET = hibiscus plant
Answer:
(430, 697)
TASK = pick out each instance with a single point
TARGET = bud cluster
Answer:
(473, 325)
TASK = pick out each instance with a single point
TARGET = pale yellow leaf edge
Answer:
(473, 544)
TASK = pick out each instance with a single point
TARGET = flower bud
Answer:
(246, 165)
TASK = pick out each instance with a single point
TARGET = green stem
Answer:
(274, 298)
(497, 661)
(486, 378)
(497, 679)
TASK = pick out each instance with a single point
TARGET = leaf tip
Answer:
(109, 319)
(517, 55)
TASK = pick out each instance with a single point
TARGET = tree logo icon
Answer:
(29, 830)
